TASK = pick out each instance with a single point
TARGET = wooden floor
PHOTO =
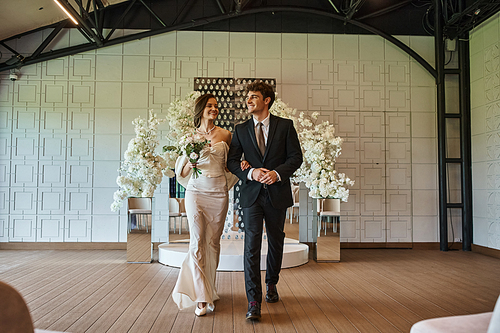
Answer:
(369, 291)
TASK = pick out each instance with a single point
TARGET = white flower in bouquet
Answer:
(142, 169)
(191, 146)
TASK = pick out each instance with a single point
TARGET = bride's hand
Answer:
(244, 165)
(192, 165)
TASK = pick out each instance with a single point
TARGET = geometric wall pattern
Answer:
(485, 102)
(65, 124)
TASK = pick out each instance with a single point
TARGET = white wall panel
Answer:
(50, 201)
(270, 68)
(425, 229)
(24, 173)
(105, 228)
(22, 228)
(163, 69)
(135, 95)
(80, 147)
(137, 47)
(373, 229)
(372, 98)
(189, 43)
(82, 67)
(425, 203)
(80, 120)
(79, 174)
(56, 69)
(53, 120)
(372, 73)
(50, 228)
(268, 46)
(109, 67)
(52, 174)
(347, 124)
(23, 200)
(320, 71)
(108, 94)
(215, 44)
(105, 174)
(373, 202)
(398, 202)
(346, 97)
(371, 47)
(394, 53)
(399, 229)
(319, 46)
(398, 99)
(399, 176)
(4, 229)
(350, 228)
(135, 68)
(242, 45)
(293, 95)
(6, 94)
(79, 201)
(372, 176)
(25, 146)
(4, 202)
(4, 173)
(28, 94)
(294, 46)
(345, 47)
(164, 44)
(52, 147)
(293, 71)
(107, 121)
(26, 119)
(346, 72)
(350, 151)
(78, 228)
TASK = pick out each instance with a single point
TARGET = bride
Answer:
(206, 204)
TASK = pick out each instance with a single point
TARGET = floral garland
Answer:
(143, 169)
(320, 149)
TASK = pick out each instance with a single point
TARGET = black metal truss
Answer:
(93, 18)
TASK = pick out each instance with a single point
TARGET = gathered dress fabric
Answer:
(206, 203)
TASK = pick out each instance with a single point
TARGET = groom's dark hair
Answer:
(265, 89)
(199, 106)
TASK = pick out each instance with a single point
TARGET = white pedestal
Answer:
(231, 256)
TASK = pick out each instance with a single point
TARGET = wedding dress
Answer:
(206, 205)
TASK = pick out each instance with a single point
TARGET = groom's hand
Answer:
(270, 177)
(258, 173)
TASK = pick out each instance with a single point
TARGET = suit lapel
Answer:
(273, 123)
(251, 132)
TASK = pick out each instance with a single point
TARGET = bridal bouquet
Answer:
(191, 145)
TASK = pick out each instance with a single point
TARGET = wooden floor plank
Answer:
(368, 291)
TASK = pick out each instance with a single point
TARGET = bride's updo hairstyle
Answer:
(199, 106)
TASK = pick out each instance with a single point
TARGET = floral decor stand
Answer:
(324, 243)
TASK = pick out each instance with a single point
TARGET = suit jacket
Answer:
(283, 154)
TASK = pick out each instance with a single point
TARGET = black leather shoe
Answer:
(272, 294)
(253, 311)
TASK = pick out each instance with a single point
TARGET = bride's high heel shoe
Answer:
(201, 312)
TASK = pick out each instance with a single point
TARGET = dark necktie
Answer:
(259, 133)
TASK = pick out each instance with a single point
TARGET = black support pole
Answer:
(441, 124)
(463, 48)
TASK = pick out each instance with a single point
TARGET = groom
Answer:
(271, 146)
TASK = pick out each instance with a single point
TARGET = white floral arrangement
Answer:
(142, 169)
(180, 119)
(320, 149)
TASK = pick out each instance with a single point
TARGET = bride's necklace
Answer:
(205, 133)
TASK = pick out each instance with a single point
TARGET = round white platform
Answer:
(231, 254)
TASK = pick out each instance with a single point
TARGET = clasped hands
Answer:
(262, 175)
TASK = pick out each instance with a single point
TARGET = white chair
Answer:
(174, 210)
(328, 207)
(141, 208)
(291, 210)
(182, 210)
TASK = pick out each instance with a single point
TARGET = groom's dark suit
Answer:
(259, 201)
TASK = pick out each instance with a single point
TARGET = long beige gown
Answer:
(206, 204)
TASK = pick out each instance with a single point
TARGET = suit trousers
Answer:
(253, 218)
